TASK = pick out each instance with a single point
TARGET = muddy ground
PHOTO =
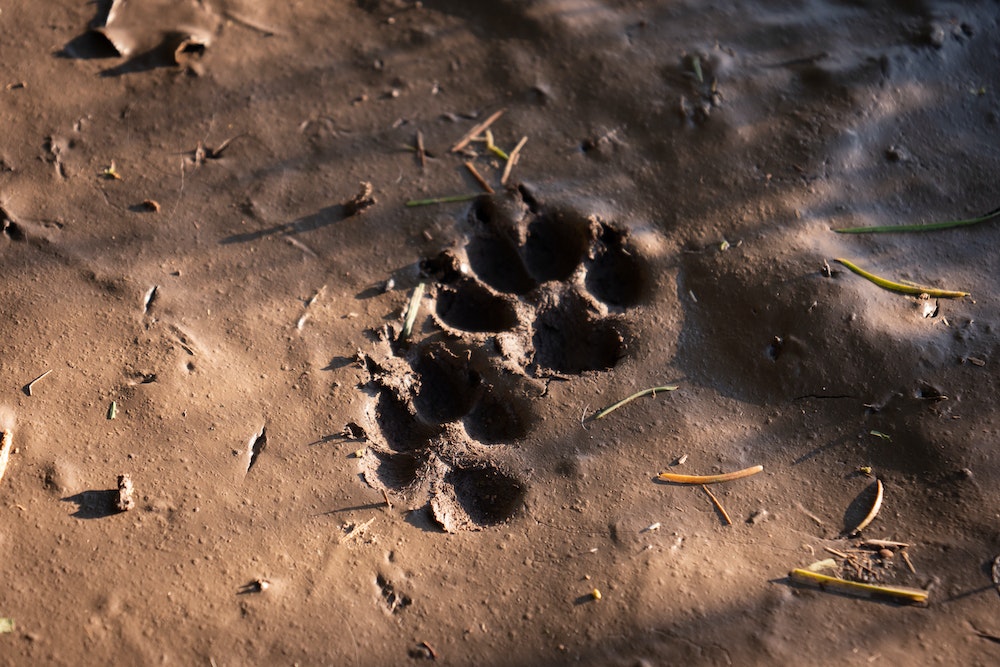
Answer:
(186, 239)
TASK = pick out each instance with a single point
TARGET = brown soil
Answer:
(184, 238)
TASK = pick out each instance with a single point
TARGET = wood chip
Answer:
(125, 500)
(412, 308)
(421, 151)
(361, 201)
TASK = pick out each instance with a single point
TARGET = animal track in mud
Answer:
(530, 291)
(394, 601)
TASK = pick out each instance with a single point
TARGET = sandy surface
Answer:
(668, 222)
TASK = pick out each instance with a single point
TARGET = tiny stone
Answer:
(897, 154)
(936, 36)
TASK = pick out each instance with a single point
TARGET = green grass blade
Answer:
(929, 227)
(900, 287)
(441, 200)
(639, 394)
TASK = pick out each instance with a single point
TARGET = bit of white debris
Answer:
(149, 298)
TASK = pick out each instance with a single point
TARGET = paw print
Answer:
(531, 293)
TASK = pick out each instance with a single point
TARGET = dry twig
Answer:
(476, 131)
(27, 387)
(479, 178)
(824, 582)
(872, 513)
(718, 505)
(512, 159)
(709, 479)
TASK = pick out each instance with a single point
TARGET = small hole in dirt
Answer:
(13, 230)
(617, 276)
(528, 197)
(774, 348)
(444, 267)
(487, 495)
(401, 429)
(470, 307)
(193, 48)
(496, 262)
(500, 415)
(556, 244)
(448, 387)
(499, 214)
(398, 471)
(569, 340)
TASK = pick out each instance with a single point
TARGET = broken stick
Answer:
(476, 131)
(824, 582)
(27, 387)
(718, 505)
(708, 479)
(873, 512)
(512, 159)
(479, 178)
